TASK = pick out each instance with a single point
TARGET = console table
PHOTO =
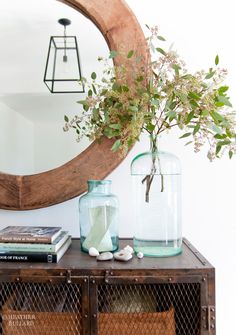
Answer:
(79, 295)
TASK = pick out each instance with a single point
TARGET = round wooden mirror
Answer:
(119, 27)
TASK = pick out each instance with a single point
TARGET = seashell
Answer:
(93, 252)
(105, 256)
(140, 255)
(123, 255)
(129, 249)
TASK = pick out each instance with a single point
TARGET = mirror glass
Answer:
(31, 118)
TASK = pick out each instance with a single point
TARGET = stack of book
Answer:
(33, 244)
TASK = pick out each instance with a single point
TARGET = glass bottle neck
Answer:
(99, 186)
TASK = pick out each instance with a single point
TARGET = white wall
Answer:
(16, 142)
(200, 30)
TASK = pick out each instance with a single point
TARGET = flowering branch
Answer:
(157, 97)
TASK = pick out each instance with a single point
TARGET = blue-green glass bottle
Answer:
(98, 215)
(156, 179)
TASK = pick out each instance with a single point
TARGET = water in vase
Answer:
(158, 218)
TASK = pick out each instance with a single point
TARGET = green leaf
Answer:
(173, 104)
(171, 115)
(218, 148)
(194, 95)
(185, 135)
(216, 116)
(93, 75)
(183, 97)
(187, 76)
(194, 103)
(217, 60)
(216, 129)
(196, 128)
(83, 102)
(116, 145)
(204, 85)
(204, 112)
(66, 118)
(210, 74)
(220, 137)
(161, 38)
(115, 126)
(133, 109)
(130, 53)
(155, 103)
(223, 89)
(224, 100)
(219, 104)
(147, 27)
(230, 154)
(113, 54)
(130, 142)
(228, 133)
(166, 124)
(161, 51)
(224, 142)
(106, 115)
(150, 127)
(94, 89)
(90, 93)
(125, 88)
(189, 117)
(140, 78)
(176, 67)
(115, 87)
(188, 143)
(220, 144)
(104, 92)
(96, 114)
(108, 132)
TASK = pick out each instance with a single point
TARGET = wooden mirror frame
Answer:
(119, 27)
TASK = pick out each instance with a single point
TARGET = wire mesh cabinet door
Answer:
(148, 306)
(55, 305)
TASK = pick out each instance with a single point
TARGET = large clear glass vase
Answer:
(157, 203)
(98, 214)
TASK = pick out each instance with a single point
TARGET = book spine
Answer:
(27, 247)
(42, 239)
(33, 257)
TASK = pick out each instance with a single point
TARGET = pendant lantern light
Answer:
(63, 70)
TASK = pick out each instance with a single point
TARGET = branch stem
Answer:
(148, 179)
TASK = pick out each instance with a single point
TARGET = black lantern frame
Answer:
(57, 84)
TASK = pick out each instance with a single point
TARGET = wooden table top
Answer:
(81, 263)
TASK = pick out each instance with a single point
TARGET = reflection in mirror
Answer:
(32, 118)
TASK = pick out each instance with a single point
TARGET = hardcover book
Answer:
(29, 234)
(43, 257)
(35, 247)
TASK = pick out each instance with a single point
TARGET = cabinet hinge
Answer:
(107, 276)
(208, 318)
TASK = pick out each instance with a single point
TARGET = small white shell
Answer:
(129, 249)
(93, 252)
(105, 256)
(140, 255)
(123, 255)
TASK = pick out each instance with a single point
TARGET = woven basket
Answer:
(16, 322)
(159, 323)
